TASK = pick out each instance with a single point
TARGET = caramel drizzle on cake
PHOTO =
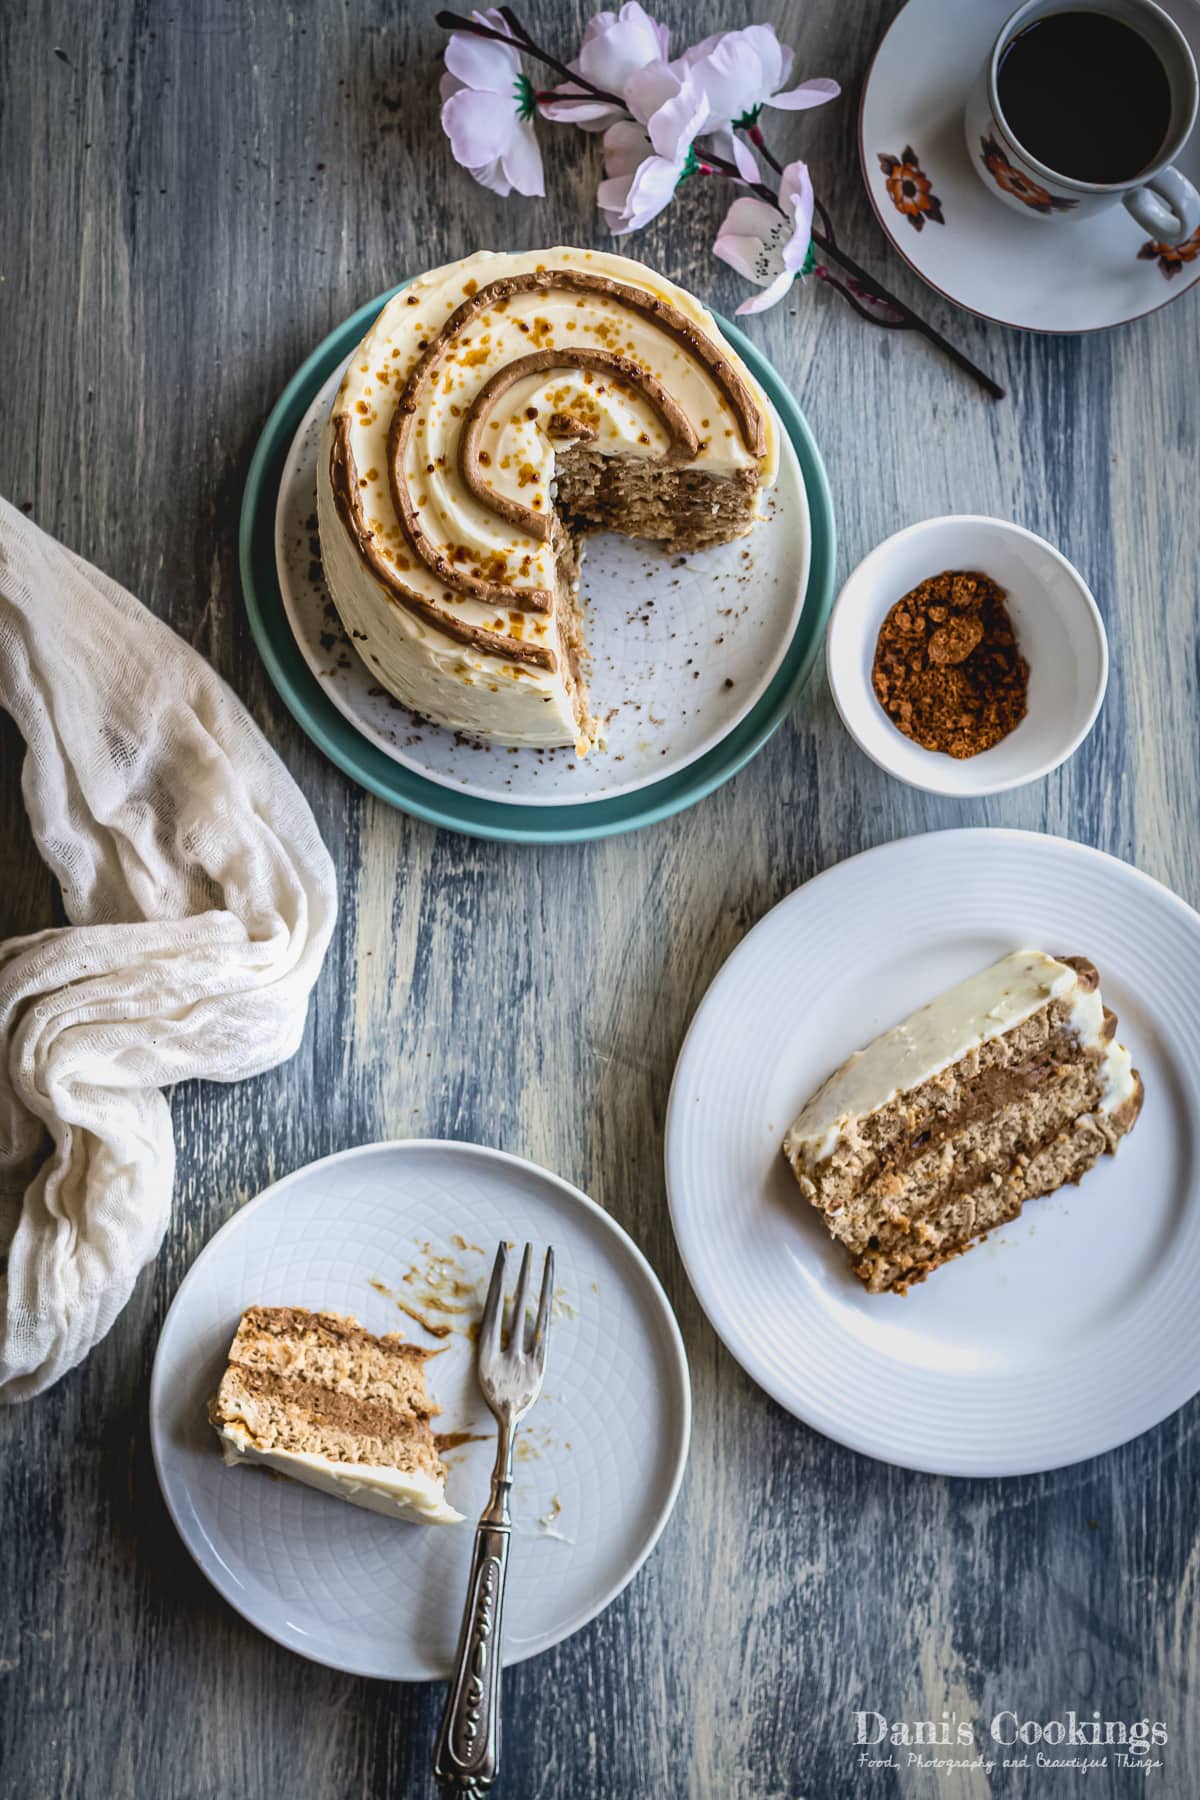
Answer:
(498, 293)
(343, 479)
(540, 525)
(499, 410)
(536, 524)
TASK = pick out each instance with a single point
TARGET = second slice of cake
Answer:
(314, 1396)
(940, 1129)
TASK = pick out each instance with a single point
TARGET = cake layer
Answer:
(901, 1258)
(998, 1091)
(909, 1075)
(316, 1396)
(328, 1350)
(683, 509)
(283, 1412)
(983, 1145)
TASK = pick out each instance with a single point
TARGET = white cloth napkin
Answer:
(201, 901)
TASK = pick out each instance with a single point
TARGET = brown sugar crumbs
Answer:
(947, 670)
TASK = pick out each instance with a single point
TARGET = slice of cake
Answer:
(498, 410)
(316, 1397)
(1000, 1090)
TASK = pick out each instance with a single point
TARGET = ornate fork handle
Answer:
(467, 1759)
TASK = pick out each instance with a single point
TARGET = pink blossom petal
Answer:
(611, 198)
(482, 63)
(673, 127)
(775, 59)
(750, 217)
(770, 296)
(625, 147)
(522, 162)
(617, 45)
(587, 112)
(734, 149)
(796, 198)
(491, 175)
(730, 77)
(809, 93)
(651, 88)
(478, 129)
(740, 253)
(652, 190)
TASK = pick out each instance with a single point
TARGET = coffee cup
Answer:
(1082, 105)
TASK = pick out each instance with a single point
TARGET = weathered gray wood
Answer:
(193, 194)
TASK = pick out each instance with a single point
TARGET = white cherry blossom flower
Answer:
(646, 157)
(487, 108)
(767, 247)
(740, 72)
(638, 185)
(615, 46)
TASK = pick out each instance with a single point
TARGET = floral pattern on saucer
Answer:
(1171, 258)
(910, 189)
(1019, 185)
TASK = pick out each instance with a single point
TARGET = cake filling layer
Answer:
(900, 1258)
(683, 509)
(1038, 1091)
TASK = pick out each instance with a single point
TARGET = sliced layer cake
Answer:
(999, 1091)
(497, 411)
(316, 1397)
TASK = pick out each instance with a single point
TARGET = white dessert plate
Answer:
(681, 647)
(1037, 273)
(599, 1460)
(1065, 1333)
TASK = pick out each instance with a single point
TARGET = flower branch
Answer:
(664, 120)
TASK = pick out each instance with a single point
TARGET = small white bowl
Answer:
(1059, 631)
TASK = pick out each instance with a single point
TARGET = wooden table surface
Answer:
(194, 193)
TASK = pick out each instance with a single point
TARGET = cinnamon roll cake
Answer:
(498, 410)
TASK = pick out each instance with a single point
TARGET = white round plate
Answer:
(695, 644)
(1065, 1333)
(599, 1459)
(1039, 274)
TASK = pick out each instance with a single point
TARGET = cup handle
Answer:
(1168, 207)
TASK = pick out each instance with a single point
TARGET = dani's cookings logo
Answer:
(1128, 1739)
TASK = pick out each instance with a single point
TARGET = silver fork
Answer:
(467, 1758)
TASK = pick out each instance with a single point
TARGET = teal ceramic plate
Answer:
(375, 770)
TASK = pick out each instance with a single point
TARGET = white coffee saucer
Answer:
(1060, 274)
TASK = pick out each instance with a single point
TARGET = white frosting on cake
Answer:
(398, 1493)
(461, 684)
(938, 1035)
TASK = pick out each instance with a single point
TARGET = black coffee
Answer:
(1085, 95)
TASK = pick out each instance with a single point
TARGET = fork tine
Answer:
(537, 1342)
(516, 1331)
(488, 1345)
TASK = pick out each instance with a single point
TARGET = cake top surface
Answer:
(452, 407)
(939, 1034)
